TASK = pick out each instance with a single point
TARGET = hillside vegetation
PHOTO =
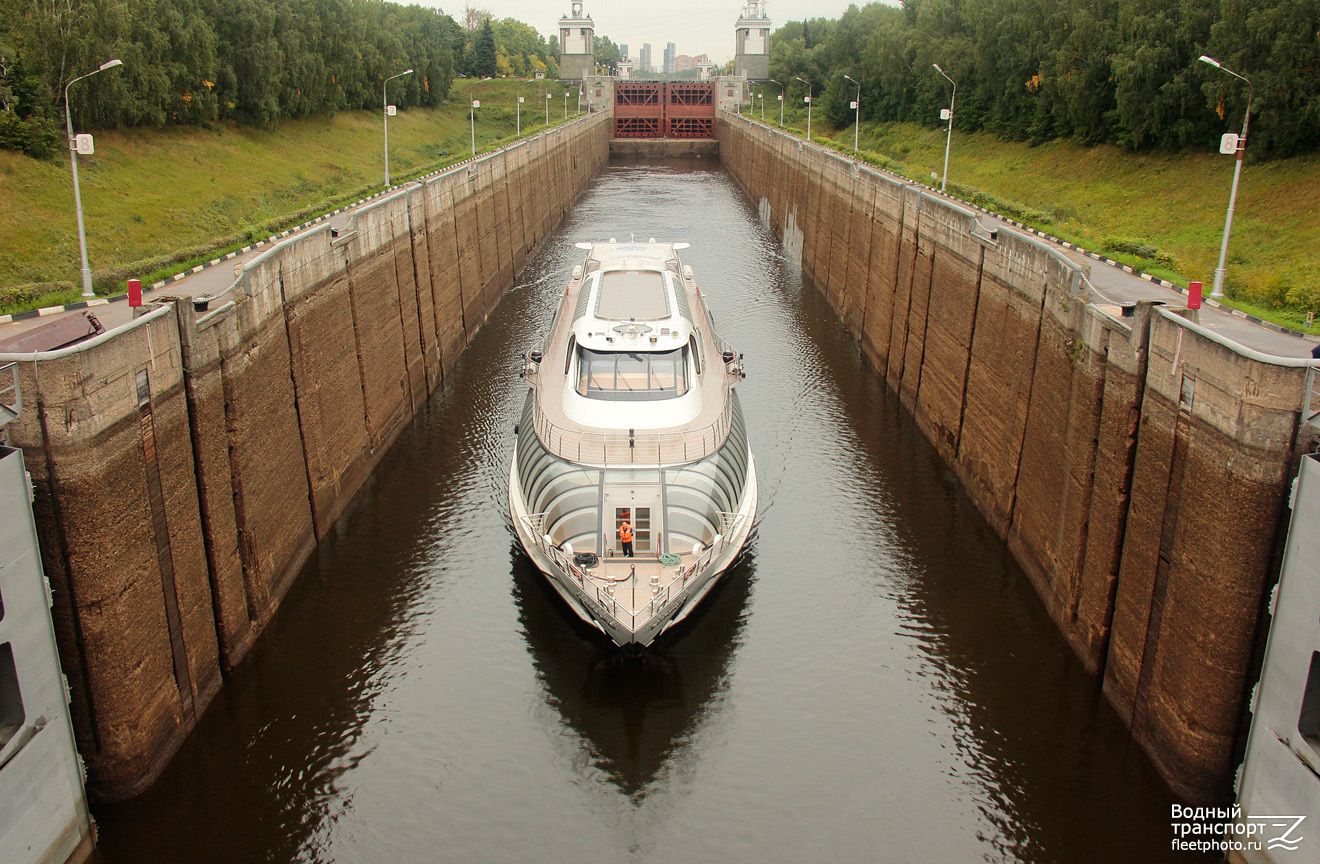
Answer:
(1161, 212)
(1125, 72)
(1096, 121)
(165, 197)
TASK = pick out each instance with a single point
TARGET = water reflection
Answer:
(639, 715)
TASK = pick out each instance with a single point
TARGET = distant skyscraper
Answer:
(644, 60)
(670, 53)
(623, 49)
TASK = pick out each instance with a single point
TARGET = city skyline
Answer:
(696, 26)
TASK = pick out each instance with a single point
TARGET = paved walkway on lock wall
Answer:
(211, 280)
(1110, 281)
(1117, 285)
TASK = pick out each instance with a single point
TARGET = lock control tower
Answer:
(577, 53)
(752, 42)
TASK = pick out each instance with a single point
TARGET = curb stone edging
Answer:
(1163, 283)
(1155, 280)
(169, 280)
(101, 301)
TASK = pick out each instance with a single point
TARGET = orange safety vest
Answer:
(625, 533)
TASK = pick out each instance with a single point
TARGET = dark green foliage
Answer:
(607, 54)
(27, 123)
(192, 61)
(521, 52)
(1120, 71)
(1139, 248)
(483, 51)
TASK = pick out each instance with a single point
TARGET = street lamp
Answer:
(857, 107)
(807, 99)
(947, 114)
(384, 100)
(73, 160)
(1240, 146)
(565, 104)
(547, 110)
(520, 104)
(761, 96)
(781, 101)
(472, 120)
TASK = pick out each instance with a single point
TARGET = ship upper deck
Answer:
(632, 370)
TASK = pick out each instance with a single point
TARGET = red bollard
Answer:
(134, 292)
(1193, 295)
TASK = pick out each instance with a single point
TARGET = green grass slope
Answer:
(157, 200)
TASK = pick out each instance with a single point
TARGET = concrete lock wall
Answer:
(1137, 467)
(186, 467)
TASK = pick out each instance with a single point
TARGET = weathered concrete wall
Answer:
(185, 468)
(108, 447)
(1136, 467)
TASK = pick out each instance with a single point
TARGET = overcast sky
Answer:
(694, 26)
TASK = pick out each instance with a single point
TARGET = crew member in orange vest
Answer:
(626, 537)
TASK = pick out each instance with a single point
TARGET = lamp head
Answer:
(110, 64)
(937, 68)
(1206, 58)
(406, 72)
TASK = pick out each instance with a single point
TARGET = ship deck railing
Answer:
(604, 597)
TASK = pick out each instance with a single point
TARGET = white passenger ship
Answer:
(631, 416)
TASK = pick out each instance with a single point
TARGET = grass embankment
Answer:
(1162, 213)
(158, 201)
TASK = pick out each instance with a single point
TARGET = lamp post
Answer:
(1240, 146)
(857, 107)
(547, 110)
(565, 104)
(73, 160)
(519, 110)
(761, 96)
(384, 99)
(781, 101)
(472, 120)
(949, 138)
(807, 99)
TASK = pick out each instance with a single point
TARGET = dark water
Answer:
(875, 681)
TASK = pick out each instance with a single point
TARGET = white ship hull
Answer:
(632, 429)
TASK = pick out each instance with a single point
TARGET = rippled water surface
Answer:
(875, 681)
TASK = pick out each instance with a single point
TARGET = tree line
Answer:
(1125, 72)
(250, 61)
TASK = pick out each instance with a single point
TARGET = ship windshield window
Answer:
(632, 375)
